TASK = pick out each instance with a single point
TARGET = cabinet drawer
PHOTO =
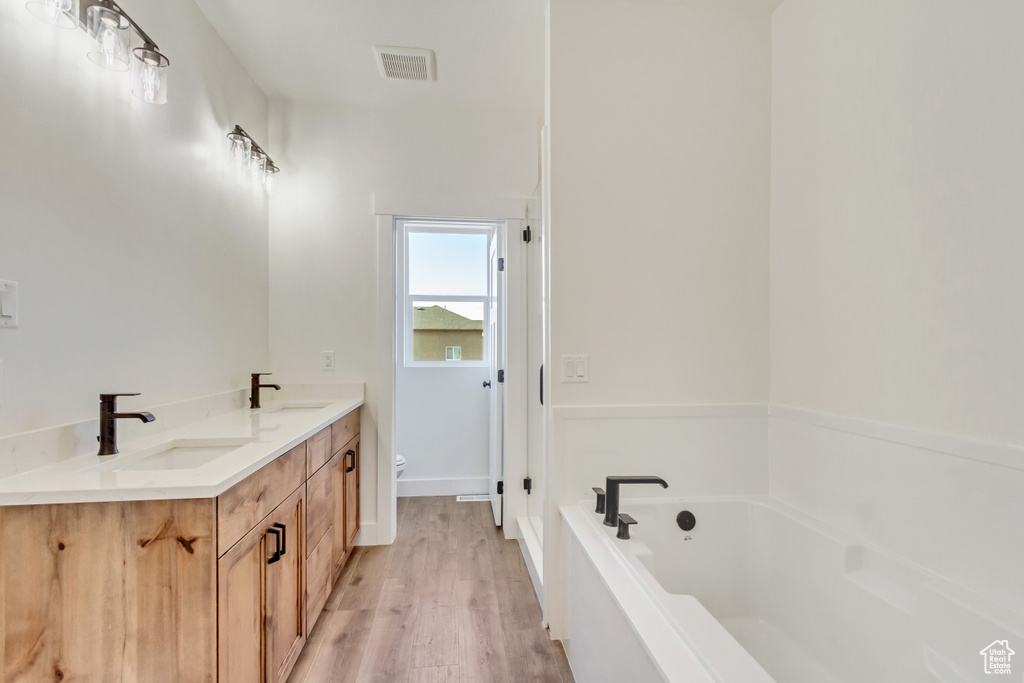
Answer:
(343, 430)
(242, 506)
(318, 450)
(318, 578)
(319, 505)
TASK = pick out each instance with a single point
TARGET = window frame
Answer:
(409, 226)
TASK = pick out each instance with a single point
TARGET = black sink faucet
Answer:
(611, 503)
(254, 389)
(108, 422)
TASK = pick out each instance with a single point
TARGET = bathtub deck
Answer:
(449, 602)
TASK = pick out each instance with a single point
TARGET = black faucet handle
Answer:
(111, 397)
(261, 374)
(625, 521)
(600, 499)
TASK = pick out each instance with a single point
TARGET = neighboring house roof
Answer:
(438, 318)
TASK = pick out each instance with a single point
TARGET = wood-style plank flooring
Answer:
(449, 602)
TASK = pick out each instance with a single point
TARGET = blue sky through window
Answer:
(449, 264)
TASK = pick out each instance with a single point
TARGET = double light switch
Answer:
(575, 369)
(8, 304)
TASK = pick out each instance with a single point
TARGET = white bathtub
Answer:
(759, 592)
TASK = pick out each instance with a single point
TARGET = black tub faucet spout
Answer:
(611, 487)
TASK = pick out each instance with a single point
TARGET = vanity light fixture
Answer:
(250, 155)
(59, 13)
(112, 29)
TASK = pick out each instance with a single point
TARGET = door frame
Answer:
(380, 390)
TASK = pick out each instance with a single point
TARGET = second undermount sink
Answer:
(179, 454)
(297, 406)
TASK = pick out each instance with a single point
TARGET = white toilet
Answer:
(400, 465)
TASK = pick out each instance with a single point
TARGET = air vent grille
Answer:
(406, 63)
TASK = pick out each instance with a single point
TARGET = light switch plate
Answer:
(8, 304)
(575, 369)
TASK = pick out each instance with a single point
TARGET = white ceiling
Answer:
(490, 53)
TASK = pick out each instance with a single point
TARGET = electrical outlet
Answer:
(328, 360)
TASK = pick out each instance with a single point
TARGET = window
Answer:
(447, 291)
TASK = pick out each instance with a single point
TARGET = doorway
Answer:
(450, 329)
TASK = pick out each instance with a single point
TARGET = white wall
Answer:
(897, 294)
(897, 290)
(142, 262)
(659, 124)
(659, 120)
(442, 418)
(323, 236)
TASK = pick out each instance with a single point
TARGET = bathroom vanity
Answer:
(123, 571)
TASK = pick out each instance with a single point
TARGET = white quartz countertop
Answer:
(210, 456)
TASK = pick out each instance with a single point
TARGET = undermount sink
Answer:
(297, 407)
(180, 454)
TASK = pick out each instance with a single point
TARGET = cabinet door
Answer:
(285, 597)
(241, 573)
(340, 551)
(351, 493)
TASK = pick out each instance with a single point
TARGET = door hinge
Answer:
(501, 376)
(528, 485)
(527, 234)
(501, 264)
(501, 488)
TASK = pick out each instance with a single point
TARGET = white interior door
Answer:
(497, 388)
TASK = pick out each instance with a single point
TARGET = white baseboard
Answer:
(532, 548)
(409, 488)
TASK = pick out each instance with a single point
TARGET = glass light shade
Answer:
(59, 13)
(111, 29)
(268, 177)
(258, 164)
(241, 148)
(149, 75)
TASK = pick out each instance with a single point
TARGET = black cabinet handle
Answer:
(542, 384)
(278, 552)
(487, 384)
(284, 536)
(352, 461)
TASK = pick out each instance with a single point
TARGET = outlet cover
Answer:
(328, 360)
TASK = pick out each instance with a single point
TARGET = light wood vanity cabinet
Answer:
(261, 606)
(345, 470)
(206, 590)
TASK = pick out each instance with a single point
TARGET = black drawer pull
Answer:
(284, 537)
(277, 551)
(352, 462)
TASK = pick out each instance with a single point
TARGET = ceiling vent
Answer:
(406, 63)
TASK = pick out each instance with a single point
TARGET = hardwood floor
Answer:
(449, 602)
